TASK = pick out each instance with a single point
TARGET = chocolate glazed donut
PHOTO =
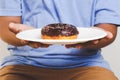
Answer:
(59, 31)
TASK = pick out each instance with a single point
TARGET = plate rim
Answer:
(68, 41)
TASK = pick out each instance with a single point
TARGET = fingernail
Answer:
(11, 24)
(110, 35)
(96, 42)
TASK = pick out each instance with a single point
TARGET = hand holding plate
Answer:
(16, 28)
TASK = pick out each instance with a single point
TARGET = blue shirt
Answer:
(38, 13)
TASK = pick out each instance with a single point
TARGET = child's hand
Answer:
(16, 28)
(91, 44)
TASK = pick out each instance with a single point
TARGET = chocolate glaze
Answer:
(59, 29)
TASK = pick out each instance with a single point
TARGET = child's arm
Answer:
(5, 33)
(8, 32)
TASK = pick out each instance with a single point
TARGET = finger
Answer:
(45, 45)
(69, 46)
(24, 42)
(78, 46)
(37, 45)
(34, 45)
(23, 26)
(85, 45)
(109, 35)
(14, 28)
(95, 41)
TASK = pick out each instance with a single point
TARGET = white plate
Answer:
(85, 34)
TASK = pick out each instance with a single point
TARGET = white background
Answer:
(111, 54)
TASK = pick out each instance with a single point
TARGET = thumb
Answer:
(14, 28)
(109, 35)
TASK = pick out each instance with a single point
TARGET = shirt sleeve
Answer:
(107, 11)
(10, 8)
